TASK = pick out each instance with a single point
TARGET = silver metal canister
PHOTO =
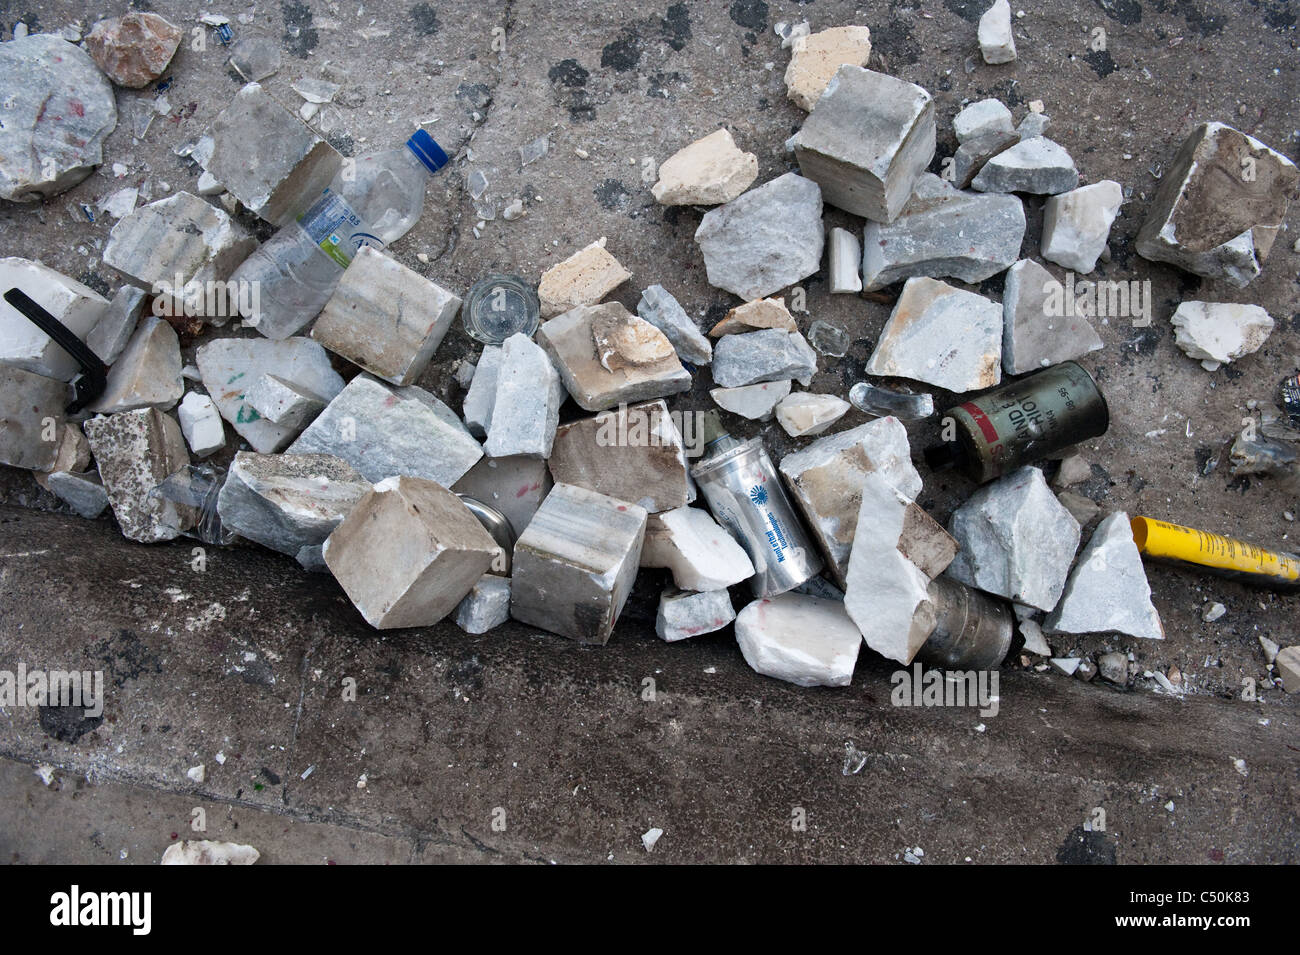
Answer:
(972, 630)
(744, 493)
(496, 524)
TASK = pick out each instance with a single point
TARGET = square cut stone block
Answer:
(633, 453)
(385, 318)
(269, 159)
(408, 552)
(867, 141)
(575, 564)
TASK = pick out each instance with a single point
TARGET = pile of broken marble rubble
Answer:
(361, 477)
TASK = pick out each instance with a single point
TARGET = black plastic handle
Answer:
(86, 386)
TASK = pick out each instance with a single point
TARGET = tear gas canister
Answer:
(742, 489)
(1023, 422)
(972, 631)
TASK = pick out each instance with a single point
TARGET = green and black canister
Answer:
(1023, 422)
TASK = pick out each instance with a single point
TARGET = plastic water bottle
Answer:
(373, 201)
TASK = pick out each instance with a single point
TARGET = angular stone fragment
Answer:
(486, 606)
(134, 49)
(1017, 540)
(31, 418)
(515, 486)
(476, 409)
(753, 316)
(816, 58)
(283, 403)
(570, 340)
(84, 493)
(633, 453)
(942, 335)
(24, 345)
(660, 309)
(826, 480)
(997, 45)
(804, 414)
(1288, 668)
(584, 278)
(575, 563)
(1211, 218)
(206, 852)
(385, 432)
(623, 341)
(1216, 333)
(766, 239)
(1082, 509)
(885, 587)
(1073, 469)
(180, 239)
(407, 553)
(1036, 334)
(134, 452)
(288, 501)
(701, 555)
(767, 355)
(755, 402)
(59, 109)
(971, 155)
(1108, 589)
(385, 318)
(230, 366)
(944, 233)
(709, 171)
(1034, 124)
(980, 118)
(845, 262)
(526, 406)
(268, 159)
(73, 454)
(685, 614)
(1076, 224)
(809, 641)
(201, 424)
(1036, 165)
(148, 373)
(116, 324)
(867, 141)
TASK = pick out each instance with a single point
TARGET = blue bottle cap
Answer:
(427, 151)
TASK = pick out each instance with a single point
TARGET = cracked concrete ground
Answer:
(248, 658)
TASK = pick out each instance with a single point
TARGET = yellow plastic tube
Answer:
(1239, 559)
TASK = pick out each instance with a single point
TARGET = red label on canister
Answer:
(980, 418)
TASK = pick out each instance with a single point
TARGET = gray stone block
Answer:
(576, 562)
(385, 432)
(407, 553)
(766, 239)
(268, 159)
(385, 318)
(288, 501)
(134, 452)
